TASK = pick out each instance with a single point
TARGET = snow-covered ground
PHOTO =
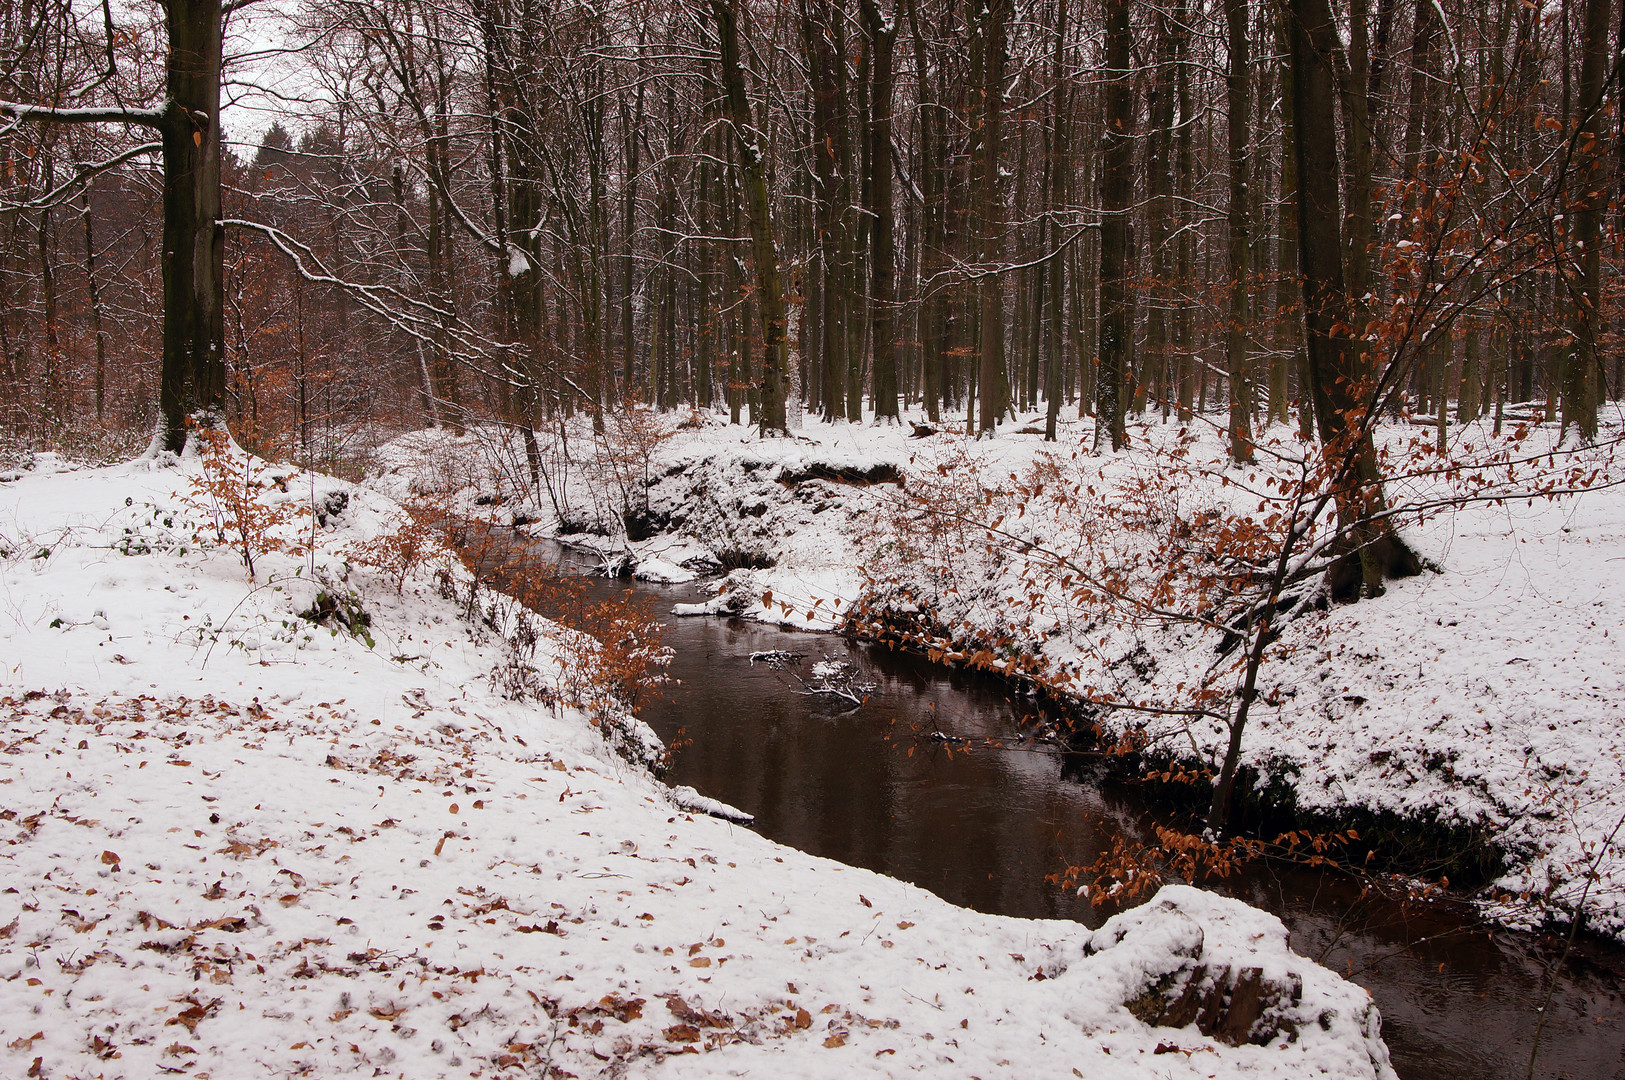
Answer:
(1483, 695)
(239, 843)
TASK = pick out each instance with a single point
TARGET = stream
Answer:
(872, 786)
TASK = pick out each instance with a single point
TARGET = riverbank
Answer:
(343, 816)
(1478, 699)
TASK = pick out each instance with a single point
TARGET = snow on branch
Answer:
(108, 115)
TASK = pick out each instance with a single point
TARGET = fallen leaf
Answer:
(837, 1039)
(691, 1015)
(195, 1015)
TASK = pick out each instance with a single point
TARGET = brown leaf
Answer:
(689, 1014)
(195, 1015)
(150, 921)
(620, 1008)
(552, 927)
(837, 1039)
(109, 859)
(25, 1044)
(387, 1012)
(682, 1033)
(803, 1019)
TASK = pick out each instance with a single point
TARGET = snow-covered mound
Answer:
(342, 818)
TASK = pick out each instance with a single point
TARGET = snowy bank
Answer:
(1478, 700)
(238, 842)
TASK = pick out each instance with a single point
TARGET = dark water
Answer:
(982, 827)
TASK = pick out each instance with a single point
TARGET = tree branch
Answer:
(153, 118)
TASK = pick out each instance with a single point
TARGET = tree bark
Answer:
(1339, 378)
(1238, 363)
(990, 208)
(1581, 375)
(882, 33)
(1060, 168)
(753, 176)
(1116, 190)
(192, 382)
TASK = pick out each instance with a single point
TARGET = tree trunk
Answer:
(933, 172)
(1159, 208)
(1238, 364)
(192, 382)
(990, 210)
(95, 311)
(1588, 201)
(1339, 379)
(882, 33)
(1116, 191)
(1060, 168)
(753, 176)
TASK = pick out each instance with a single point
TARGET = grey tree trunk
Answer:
(192, 382)
(882, 34)
(990, 208)
(1588, 201)
(765, 253)
(1339, 377)
(1238, 363)
(1116, 191)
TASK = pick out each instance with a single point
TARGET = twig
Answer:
(1568, 946)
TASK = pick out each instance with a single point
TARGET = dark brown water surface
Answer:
(982, 827)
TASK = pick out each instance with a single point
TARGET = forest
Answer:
(446, 213)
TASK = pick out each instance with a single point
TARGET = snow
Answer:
(239, 843)
(686, 798)
(518, 261)
(655, 568)
(1481, 696)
